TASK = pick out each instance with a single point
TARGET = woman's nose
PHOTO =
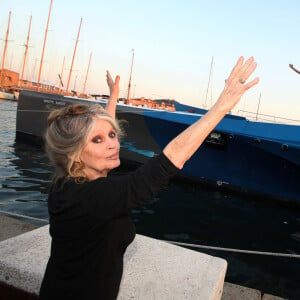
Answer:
(113, 143)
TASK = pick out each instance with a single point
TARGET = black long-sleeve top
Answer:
(90, 226)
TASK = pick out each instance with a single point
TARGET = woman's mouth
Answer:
(114, 156)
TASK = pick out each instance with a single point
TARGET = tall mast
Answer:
(42, 58)
(209, 78)
(5, 48)
(25, 54)
(129, 84)
(87, 72)
(61, 75)
(258, 107)
(70, 73)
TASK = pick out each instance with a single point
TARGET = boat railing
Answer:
(266, 118)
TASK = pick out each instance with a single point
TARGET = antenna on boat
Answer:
(42, 58)
(294, 69)
(87, 72)
(70, 73)
(209, 78)
(258, 106)
(4, 51)
(61, 75)
(129, 84)
(25, 54)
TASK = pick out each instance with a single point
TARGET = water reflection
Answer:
(24, 171)
(184, 212)
(25, 178)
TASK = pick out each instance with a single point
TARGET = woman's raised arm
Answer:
(114, 94)
(182, 147)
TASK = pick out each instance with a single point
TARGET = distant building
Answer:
(163, 104)
(9, 78)
(10, 81)
(43, 87)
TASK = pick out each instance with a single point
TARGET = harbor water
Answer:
(184, 212)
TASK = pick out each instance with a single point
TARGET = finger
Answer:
(246, 70)
(249, 66)
(237, 67)
(117, 80)
(244, 73)
(108, 75)
(250, 70)
(248, 63)
(244, 76)
(251, 83)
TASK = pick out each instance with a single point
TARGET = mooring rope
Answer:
(235, 250)
(183, 244)
(13, 110)
(23, 216)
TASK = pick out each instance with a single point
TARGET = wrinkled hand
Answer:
(236, 84)
(113, 85)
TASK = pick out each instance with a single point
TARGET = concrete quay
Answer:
(152, 269)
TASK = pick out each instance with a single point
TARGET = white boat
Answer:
(9, 95)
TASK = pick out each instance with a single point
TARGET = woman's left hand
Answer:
(113, 85)
(114, 94)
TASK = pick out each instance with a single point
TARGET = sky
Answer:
(183, 49)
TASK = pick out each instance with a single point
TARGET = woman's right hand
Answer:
(183, 146)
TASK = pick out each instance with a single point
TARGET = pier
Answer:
(152, 269)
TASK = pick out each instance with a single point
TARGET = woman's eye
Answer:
(112, 134)
(97, 139)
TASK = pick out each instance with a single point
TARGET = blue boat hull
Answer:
(250, 157)
(234, 161)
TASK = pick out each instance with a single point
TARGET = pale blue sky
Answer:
(174, 43)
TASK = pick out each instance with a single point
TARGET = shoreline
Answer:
(12, 227)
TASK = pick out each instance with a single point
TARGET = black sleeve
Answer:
(149, 179)
(115, 195)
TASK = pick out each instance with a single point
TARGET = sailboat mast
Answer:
(42, 58)
(129, 84)
(256, 118)
(209, 79)
(25, 54)
(5, 48)
(70, 73)
(87, 72)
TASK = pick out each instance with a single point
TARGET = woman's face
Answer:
(101, 153)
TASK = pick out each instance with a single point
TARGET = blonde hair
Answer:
(67, 134)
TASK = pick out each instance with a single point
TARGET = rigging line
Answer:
(234, 250)
(184, 244)
(120, 112)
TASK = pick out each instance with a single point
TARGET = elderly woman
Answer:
(89, 211)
